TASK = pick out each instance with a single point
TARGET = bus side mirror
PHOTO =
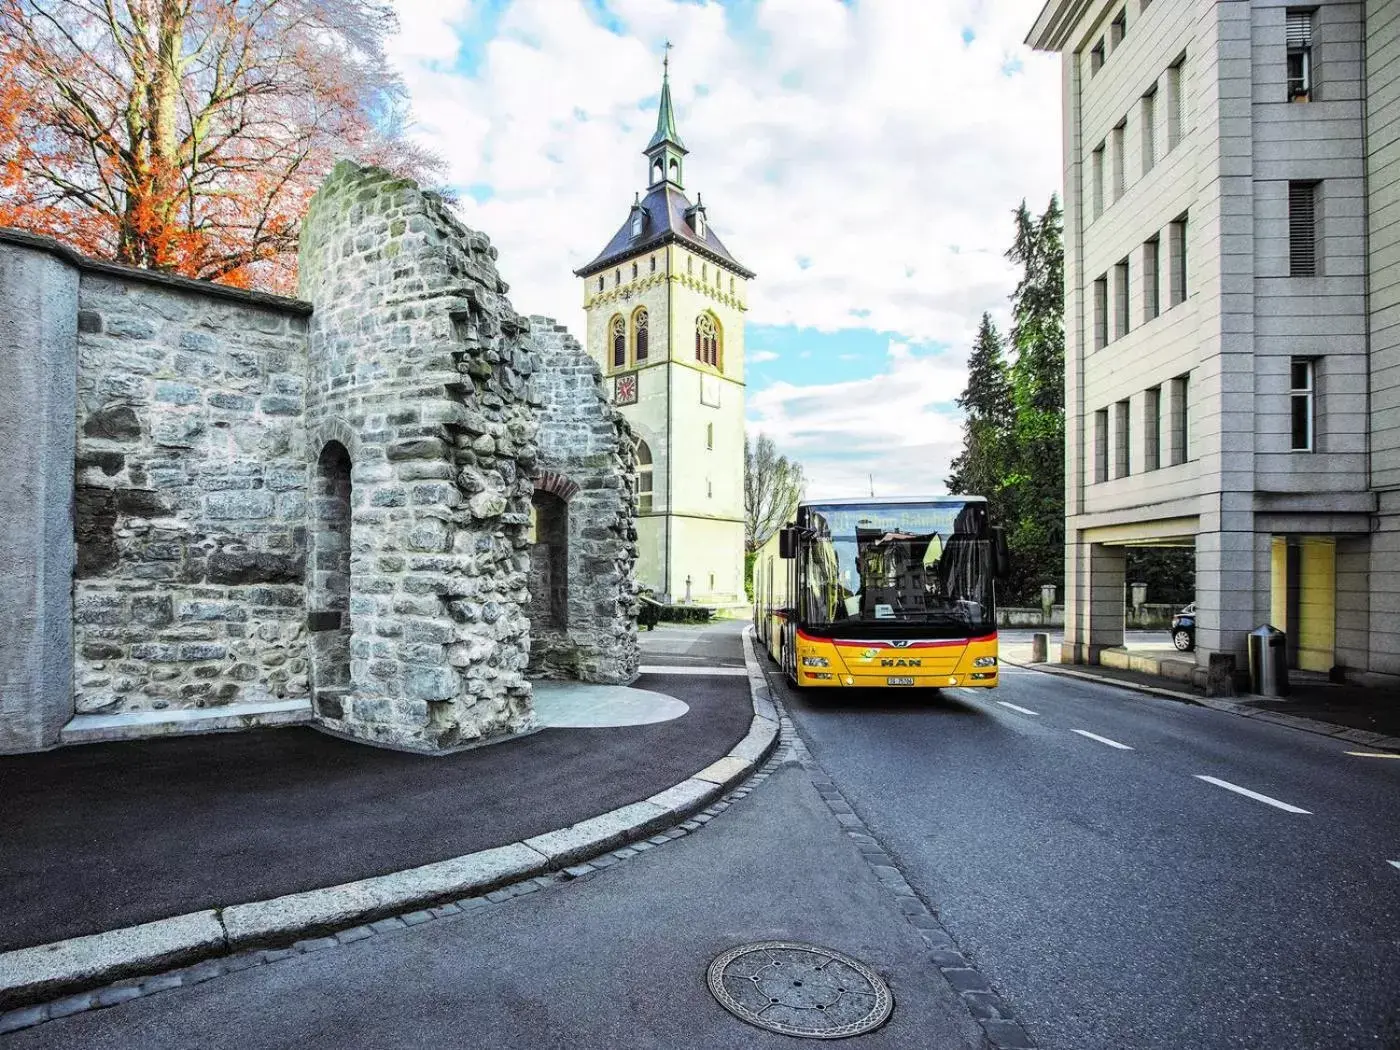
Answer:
(787, 543)
(1001, 552)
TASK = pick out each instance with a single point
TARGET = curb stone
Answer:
(1000, 1028)
(38, 974)
(1307, 725)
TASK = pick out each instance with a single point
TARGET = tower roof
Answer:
(665, 115)
(665, 220)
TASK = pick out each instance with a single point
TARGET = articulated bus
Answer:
(882, 592)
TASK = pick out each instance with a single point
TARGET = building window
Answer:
(619, 342)
(1096, 58)
(1302, 386)
(1152, 429)
(1122, 428)
(1120, 299)
(709, 435)
(644, 477)
(634, 271)
(1298, 31)
(600, 282)
(1302, 229)
(653, 264)
(689, 264)
(704, 274)
(1151, 278)
(1176, 246)
(617, 277)
(1176, 102)
(1118, 28)
(639, 335)
(1119, 179)
(1100, 312)
(707, 341)
(1149, 129)
(731, 286)
(1101, 445)
(1180, 418)
(1097, 172)
(709, 489)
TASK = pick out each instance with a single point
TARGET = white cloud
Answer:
(761, 357)
(862, 159)
(865, 139)
(888, 424)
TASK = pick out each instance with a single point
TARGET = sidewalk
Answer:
(105, 836)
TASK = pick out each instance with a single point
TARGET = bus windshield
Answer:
(925, 564)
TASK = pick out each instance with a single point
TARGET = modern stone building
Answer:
(1232, 224)
(358, 510)
(665, 303)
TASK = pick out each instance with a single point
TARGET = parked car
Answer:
(1184, 629)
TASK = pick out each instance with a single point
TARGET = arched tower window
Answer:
(675, 170)
(644, 477)
(707, 349)
(639, 334)
(657, 171)
(618, 329)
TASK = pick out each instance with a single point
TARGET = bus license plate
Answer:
(899, 681)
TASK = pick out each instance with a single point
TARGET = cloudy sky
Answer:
(862, 157)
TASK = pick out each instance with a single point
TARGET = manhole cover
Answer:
(800, 989)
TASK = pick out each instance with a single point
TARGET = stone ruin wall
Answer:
(584, 605)
(419, 371)
(189, 498)
(271, 503)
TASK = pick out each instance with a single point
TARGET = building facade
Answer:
(1232, 224)
(665, 303)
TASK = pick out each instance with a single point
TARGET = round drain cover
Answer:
(800, 989)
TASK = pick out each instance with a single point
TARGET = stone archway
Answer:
(328, 579)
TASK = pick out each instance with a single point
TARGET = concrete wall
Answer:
(38, 369)
(587, 460)
(1382, 63)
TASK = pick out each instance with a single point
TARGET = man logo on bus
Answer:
(901, 663)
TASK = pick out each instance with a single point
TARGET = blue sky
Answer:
(863, 157)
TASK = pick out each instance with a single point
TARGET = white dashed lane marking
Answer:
(1102, 739)
(1023, 710)
(1394, 862)
(1252, 794)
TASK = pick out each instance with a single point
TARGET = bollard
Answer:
(1040, 648)
(1220, 675)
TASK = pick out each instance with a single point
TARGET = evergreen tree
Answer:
(1033, 498)
(980, 467)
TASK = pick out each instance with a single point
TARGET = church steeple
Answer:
(665, 151)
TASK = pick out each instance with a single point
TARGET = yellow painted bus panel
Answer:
(823, 662)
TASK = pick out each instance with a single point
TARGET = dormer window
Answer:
(638, 221)
(699, 224)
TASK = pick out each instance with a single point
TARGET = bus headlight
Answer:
(815, 661)
(985, 661)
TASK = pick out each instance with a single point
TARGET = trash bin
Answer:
(1268, 661)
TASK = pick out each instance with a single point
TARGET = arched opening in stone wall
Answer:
(328, 578)
(549, 561)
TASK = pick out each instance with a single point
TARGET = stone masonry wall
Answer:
(189, 497)
(418, 369)
(588, 458)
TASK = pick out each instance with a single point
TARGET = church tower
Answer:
(665, 303)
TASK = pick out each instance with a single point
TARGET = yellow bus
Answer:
(882, 592)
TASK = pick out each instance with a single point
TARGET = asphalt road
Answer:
(1114, 898)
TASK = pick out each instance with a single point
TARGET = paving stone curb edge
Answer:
(40, 973)
(1307, 725)
(1000, 1028)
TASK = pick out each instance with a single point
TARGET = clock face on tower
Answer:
(625, 389)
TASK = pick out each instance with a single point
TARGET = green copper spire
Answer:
(666, 116)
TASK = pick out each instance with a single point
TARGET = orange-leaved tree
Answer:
(189, 135)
